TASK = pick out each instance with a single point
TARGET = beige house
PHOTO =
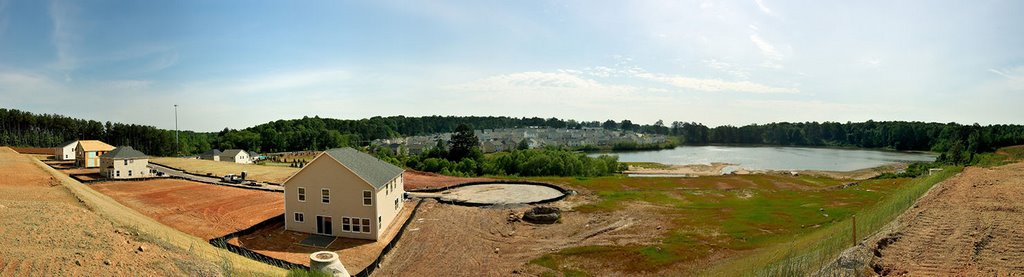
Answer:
(235, 156)
(88, 152)
(124, 163)
(344, 193)
(66, 151)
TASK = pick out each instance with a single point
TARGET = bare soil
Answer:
(423, 180)
(47, 231)
(446, 240)
(203, 210)
(355, 254)
(969, 225)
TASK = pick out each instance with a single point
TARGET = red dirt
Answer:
(422, 180)
(969, 225)
(35, 150)
(355, 254)
(48, 232)
(204, 210)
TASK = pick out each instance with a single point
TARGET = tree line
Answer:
(957, 142)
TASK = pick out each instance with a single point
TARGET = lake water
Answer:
(775, 158)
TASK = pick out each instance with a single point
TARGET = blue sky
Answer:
(240, 63)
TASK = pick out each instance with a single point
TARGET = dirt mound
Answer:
(967, 225)
(543, 215)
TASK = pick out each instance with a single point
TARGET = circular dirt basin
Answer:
(495, 193)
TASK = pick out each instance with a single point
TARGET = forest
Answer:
(958, 142)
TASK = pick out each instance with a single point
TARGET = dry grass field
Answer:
(203, 210)
(52, 226)
(262, 173)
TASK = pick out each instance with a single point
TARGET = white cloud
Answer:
(563, 82)
(765, 9)
(726, 68)
(773, 57)
(1014, 73)
(714, 84)
(63, 36)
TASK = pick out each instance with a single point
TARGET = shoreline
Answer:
(650, 169)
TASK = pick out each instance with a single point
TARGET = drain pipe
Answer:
(327, 262)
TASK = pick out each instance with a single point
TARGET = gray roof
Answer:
(371, 169)
(66, 143)
(231, 153)
(212, 152)
(125, 152)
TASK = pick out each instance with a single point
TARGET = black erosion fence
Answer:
(222, 242)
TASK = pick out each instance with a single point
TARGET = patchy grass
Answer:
(731, 214)
(648, 165)
(272, 174)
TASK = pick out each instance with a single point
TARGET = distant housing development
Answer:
(124, 163)
(230, 155)
(496, 140)
(344, 193)
(88, 152)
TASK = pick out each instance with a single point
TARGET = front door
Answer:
(323, 225)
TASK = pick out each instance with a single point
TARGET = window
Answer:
(367, 198)
(299, 217)
(125, 162)
(325, 195)
(118, 173)
(355, 225)
(302, 194)
(129, 173)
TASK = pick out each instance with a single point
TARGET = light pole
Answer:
(177, 151)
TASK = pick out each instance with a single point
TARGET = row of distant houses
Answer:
(114, 162)
(230, 155)
(497, 140)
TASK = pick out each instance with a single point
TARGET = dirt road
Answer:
(969, 225)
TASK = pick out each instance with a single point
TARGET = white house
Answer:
(235, 156)
(344, 193)
(66, 151)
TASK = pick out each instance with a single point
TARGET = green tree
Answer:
(464, 144)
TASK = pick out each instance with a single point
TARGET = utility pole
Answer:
(177, 150)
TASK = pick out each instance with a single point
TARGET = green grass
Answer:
(649, 165)
(761, 216)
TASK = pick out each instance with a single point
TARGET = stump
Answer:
(542, 215)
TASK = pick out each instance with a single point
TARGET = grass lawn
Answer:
(740, 215)
(272, 174)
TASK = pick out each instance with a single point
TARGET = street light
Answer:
(177, 150)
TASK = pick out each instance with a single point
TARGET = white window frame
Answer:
(299, 217)
(367, 198)
(301, 194)
(325, 196)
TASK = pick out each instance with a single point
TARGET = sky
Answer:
(236, 64)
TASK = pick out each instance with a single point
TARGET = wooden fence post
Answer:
(854, 230)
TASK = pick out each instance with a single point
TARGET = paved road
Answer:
(178, 173)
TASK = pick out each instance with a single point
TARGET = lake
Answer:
(775, 158)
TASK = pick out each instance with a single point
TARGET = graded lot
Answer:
(203, 210)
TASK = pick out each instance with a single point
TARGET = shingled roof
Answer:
(377, 172)
(125, 152)
(230, 153)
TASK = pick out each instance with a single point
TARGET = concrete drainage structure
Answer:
(495, 193)
(327, 262)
